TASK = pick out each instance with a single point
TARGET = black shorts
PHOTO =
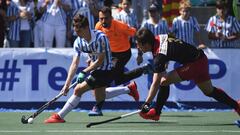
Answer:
(99, 78)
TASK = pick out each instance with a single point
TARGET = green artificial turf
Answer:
(171, 123)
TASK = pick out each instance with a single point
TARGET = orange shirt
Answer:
(118, 35)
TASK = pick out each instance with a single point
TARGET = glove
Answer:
(80, 77)
(145, 107)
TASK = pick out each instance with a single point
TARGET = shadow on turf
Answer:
(184, 116)
(146, 122)
(209, 124)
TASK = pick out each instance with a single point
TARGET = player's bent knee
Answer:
(164, 82)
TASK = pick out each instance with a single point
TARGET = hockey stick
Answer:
(113, 119)
(24, 120)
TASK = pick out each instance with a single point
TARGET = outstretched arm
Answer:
(71, 72)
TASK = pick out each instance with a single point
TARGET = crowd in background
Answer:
(48, 23)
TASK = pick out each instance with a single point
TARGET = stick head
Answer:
(89, 125)
(24, 120)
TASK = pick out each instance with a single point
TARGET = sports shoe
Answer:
(147, 68)
(150, 115)
(95, 112)
(237, 122)
(54, 118)
(133, 90)
(238, 110)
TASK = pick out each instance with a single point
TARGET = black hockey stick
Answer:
(24, 120)
(113, 119)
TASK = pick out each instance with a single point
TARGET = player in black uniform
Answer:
(194, 67)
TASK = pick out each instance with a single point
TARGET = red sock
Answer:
(219, 95)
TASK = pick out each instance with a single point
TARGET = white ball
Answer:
(30, 120)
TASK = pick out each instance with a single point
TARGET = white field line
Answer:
(121, 131)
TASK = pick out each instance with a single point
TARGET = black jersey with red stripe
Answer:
(168, 48)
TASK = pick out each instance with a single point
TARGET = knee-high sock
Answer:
(162, 97)
(115, 91)
(69, 105)
(219, 95)
(99, 105)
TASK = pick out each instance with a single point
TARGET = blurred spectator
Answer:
(54, 21)
(20, 16)
(156, 24)
(88, 8)
(184, 27)
(128, 16)
(3, 9)
(223, 29)
(38, 27)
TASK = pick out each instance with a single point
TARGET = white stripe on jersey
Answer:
(130, 19)
(163, 44)
(184, 29)
(160, 28)
(227, 28)
(80, 6)
(98, 44)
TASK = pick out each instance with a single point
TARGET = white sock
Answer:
(69, 105)
(115, 91)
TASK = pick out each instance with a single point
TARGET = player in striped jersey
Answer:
(223, 29)
(194, 62)
(96, 44)
(185, 26)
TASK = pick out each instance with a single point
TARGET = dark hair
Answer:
(106, 10)
(108, 3)
(221, 4)
(80, 21)
(145, 36)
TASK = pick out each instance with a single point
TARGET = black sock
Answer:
(162, 97)
(99, 105)
(219, 95)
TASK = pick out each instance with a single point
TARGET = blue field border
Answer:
(115, 105)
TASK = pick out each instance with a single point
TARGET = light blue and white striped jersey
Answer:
(99, 44)
(80, 6)
(14, 26)
(160, 28)
(184, 29)
(128, 18)
(47, 13)
(227, 28)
